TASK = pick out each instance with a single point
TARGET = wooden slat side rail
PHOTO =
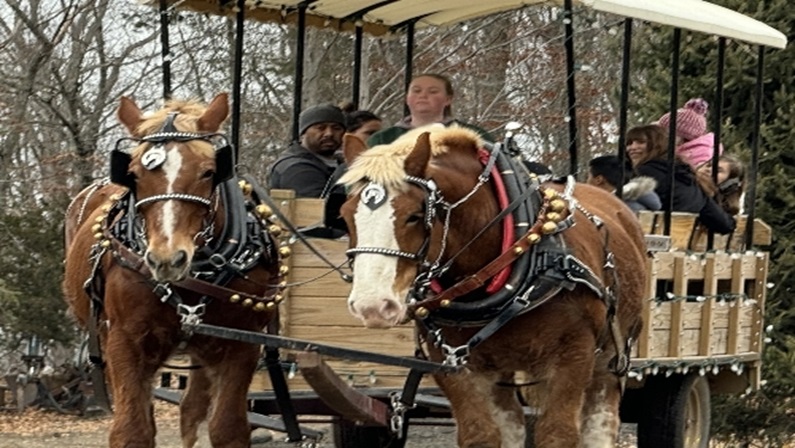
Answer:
(679, 290)
(710, 289)
(285, 199)
(349, 403)
(737, 287)
(649, 292)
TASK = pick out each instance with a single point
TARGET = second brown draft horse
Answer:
(171, 242)
(555, 293)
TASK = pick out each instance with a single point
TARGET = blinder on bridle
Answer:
(155, 156)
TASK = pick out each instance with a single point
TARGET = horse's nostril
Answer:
(180, 258)
(150, 260)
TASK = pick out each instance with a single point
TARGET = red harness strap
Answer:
(497, 281)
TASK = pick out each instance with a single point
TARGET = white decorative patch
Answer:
(154, 157)
(373, 195)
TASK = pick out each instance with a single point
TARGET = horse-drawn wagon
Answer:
(702, 309)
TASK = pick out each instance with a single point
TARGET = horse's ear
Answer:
(417, 160)
(216, 113)
(129, 115)
(352, 147)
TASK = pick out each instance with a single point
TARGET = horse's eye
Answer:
(208, 174)
(414, 218)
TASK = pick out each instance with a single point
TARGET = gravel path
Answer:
(40, 429)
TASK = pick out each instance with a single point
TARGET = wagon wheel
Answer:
(677, 413)
(350, 435)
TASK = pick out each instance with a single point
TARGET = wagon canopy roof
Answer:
(381, 17)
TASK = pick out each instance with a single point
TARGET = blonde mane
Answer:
(383, 164)
(189, 113)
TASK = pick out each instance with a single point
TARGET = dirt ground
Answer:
(44, 429)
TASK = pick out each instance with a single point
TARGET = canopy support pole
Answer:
(165, 49)
(357, 66)
(624, 104)
(676, 46)
(409, 72)
(750, 196)
(237, 75)
(718, 116)
(299, 68)
(571, 113)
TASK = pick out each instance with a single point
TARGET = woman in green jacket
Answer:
(429, 98)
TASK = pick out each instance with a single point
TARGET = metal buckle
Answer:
(455, 356)
(190, 316)
(164, 291)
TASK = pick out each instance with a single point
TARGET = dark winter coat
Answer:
(300, 170)
(688, 195)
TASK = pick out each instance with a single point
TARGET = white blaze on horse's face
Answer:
(375, 297)
(170, 224)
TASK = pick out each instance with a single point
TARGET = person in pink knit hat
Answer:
(694, 145)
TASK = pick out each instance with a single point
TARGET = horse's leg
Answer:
(131, 380)
(194, 405)
(600, 413)
(559, 424)
(228, 424)
(486, 415)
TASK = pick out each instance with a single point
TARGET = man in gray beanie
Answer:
(307, 165)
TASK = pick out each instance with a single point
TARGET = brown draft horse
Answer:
(173, 188)
(565, 343)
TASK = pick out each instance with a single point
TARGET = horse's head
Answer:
(172, 174)
(395, 214)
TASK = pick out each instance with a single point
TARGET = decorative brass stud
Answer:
(558, 205)
(549, 227)
(114, 197)
(285, 251)
(263, 211)
(96, 227)
(234, 298)
(245, 187)
(105, 243)
(553, 216)
(282, 284)
(550, 194)
(284, 269)
(106, 208)
(247, 302)
(278, 298)
(270, 305)
(259, 306)
(99, 219)
(444, 303)
(533, 238)
(421, 312)
(275, 230)
(98, 236)
(518, 250)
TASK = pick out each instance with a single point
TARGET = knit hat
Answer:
(325, 113)
(691, 120)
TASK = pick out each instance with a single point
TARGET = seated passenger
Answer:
(306, 166)
(647, 149)
(361, 123)
(429, 99)
(694, 145)
(638, 193)
(731, 182)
